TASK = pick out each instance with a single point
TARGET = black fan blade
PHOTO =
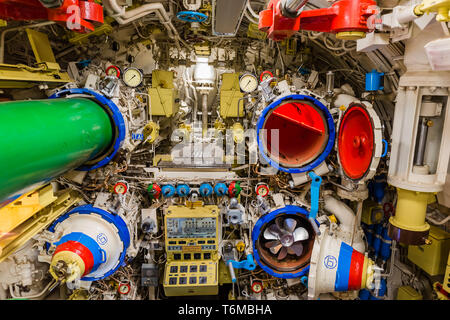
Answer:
(297, 247)
(283, 253)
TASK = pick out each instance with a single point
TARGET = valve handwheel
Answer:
(191, 16)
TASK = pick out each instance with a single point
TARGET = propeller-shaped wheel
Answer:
(286, 239)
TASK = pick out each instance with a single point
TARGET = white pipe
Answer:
(342, 212)
(113, 6)
(4, 32)
(249, 8)
(405, 14)
(246, 13)
(348, 224)
(294, 6)
(40, 294)
(204, 114)
(344, 100)
(125, 17)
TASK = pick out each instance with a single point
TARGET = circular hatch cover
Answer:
(356, 142)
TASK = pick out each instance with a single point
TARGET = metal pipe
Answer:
(393, 250)
(204, 114)
(357, 223)
(250, 18)
(330, 82)
(342, 212)
(253, 13)
(35, 296)
(421, 142)
(292, 8)
(124, 17)
(406, 14)
(43, 139)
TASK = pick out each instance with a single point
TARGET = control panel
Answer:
(192, 235)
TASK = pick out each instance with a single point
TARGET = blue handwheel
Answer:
(191, 16)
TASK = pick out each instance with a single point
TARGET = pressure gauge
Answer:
(124, 288)
(265, 75)
(262, 190)
(133, 77)
(248, 83)
(257, 287)
(113, 71)
(120, 188)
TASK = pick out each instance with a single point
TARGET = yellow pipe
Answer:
(411, 210)
(441, 7)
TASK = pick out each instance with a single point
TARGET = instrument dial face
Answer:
(248, 83)
(133, 77)
(120, 188)
(265, 75)
(124, 288)
(113, 71)
(262, 190)
(257, 287)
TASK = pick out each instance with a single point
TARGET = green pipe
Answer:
(42, 139)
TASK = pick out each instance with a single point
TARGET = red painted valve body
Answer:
(342, 16)
(88, 11)
(275, 24)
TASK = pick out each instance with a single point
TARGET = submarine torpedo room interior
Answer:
(224, 149)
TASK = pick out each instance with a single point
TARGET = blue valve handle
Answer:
(247, 264)
(385, 144)
(191, 16)
(315, 189)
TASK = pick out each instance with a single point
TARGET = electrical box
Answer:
(149, 275)
(291, 46)
(432, 258)
(162, 94)
(372, 213)
(254, 32)
(192, 239)
(149, 220)
(230, 94)
(408, 293)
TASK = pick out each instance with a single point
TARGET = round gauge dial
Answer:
(248, 83)
(262, 190)
(120, 188)
(113, 71)
(124, 288)
(133, 77)
(257, 287)
(265, 75)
